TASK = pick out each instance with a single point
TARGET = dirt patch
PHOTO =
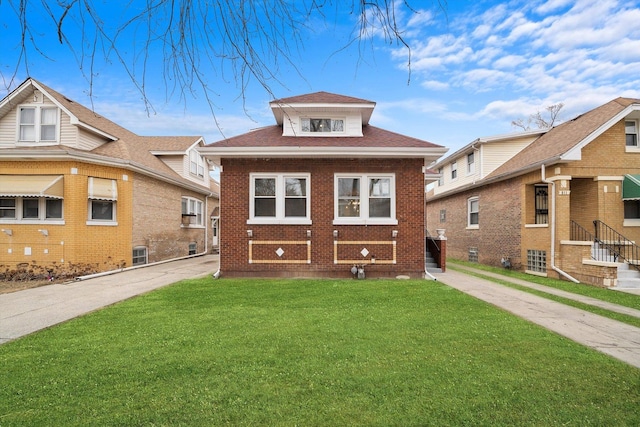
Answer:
(8, 287)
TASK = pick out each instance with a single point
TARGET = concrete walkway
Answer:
(608, 336)
(27, 311)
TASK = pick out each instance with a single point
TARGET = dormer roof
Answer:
(321, 101)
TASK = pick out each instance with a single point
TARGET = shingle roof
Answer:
(562, 138)
(271, 136)
(128, 146)
(321, 98)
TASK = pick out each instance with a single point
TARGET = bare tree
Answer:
(538, 120)
(201, 42)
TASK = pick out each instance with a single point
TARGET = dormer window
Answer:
(196, 164)
(38, 124)
(322, 125)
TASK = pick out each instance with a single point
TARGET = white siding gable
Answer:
(488, 156)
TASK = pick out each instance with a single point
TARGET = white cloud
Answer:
(522, 56)
(435, 85)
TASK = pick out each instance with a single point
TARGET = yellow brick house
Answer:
(79, 193)
(563, 202)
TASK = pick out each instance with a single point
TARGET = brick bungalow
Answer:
(321, 192)
(560, 203)
(77, 189)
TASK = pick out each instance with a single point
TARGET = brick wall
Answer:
(74, 241)
(498, 234)
(157, 220)
(234, 212)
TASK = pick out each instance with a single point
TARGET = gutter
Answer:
(553, 226)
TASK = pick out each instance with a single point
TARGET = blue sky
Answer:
(474, 69)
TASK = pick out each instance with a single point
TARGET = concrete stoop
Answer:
(628, 277)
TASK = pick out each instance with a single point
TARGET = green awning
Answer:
(631, 187)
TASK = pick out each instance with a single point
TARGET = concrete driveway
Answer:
(27, 311)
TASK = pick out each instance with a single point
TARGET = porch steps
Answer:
(601, 253)
(431, 265)
(628, 277)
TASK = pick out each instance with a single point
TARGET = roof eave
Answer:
(103, 160)
(217, 153)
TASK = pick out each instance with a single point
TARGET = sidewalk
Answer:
(27, 311)
(608, 336)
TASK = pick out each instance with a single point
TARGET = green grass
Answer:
(313, 353)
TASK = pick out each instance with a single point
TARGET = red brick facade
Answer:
(312, 250)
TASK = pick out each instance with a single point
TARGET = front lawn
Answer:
(311, 353)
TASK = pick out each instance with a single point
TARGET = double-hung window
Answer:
(473, 208)
(471, 164)
(454, 170)
(440, 177)
(365, 199)
(38, 124)
(280, 198)
(102, 194)
(194, 210)
(631, 133)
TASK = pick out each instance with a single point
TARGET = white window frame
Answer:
(38, 125)
(194, 207)
(196, 164)
(441, 177)
(454, 171)
(335, 123)
(636, 147)
(101, 221)
(470, 211)
(471, 163)
(42, 211)
(280, 196)
(145, 255)
(364, 218)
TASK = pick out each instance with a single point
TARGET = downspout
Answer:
(218, 272)
(553, 226)
(424, 204)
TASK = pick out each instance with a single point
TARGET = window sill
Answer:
(536, 226)
(473, 227)
(634, 222)
(628, 149)
(535, 273)
(195, 226)
(273, 221)
(107, 223)
(387, 221)
(33, 221)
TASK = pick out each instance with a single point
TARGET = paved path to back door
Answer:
(31, 310)
(608, 336)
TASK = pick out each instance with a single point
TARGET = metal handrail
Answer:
(433, 240)
(579, 233)
(622, 248)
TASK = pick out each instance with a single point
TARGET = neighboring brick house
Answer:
(539, 201)
(77, 189)
(322, 191)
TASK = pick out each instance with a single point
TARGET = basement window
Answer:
(537, 261)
